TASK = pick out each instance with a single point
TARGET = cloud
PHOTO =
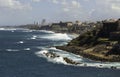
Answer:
(66, 9)
(36, 0)
(72, 9)
(64, 2)
(75, 4)
(100, 9)
(92, 9)
(109, 5)
(86, 0)
(70, 5)
(55, 1)
(116, 7)
(14, 4)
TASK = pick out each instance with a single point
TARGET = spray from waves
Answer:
(2, 29)
(51, 32)
(50, 57)
(27, 30)
(27, 49)
(34, 37)
(20, 42)
(16, 29)
(58, 56)
(11, 29)
(49, 35)
(8, 29)
(57, 36)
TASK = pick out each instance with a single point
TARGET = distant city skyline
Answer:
(18, 12)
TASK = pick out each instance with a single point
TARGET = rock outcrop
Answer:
(96, 45)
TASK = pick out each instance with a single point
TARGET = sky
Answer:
(18, 12)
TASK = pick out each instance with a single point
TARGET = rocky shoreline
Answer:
(100, 44)
(93, 56)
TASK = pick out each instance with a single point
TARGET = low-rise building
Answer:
(63, 24)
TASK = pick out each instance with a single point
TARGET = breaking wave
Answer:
(58, 56)
(46, 31)
(57, 59)
(12, 50)
(27, 49)
(8, 29)
(26, 30)
(34, 37)
(21, 42)
(57, 36)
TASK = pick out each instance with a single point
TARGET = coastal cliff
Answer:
(100, 44)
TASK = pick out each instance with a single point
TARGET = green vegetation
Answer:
(87, 40)
(96, 45)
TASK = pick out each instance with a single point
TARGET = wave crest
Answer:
(52, 57)
(57, 36)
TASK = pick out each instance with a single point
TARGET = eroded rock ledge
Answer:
(90, 54)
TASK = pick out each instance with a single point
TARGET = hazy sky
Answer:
(15, 12)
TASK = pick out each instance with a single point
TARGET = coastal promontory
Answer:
(101, 43)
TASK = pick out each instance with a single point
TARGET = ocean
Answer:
(23, 54)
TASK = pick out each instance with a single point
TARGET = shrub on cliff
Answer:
(87, 39)
(115, 50)
(100, 49)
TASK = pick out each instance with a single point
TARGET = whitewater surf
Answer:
(43, 44)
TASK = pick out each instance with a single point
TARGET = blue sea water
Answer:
(20, 56)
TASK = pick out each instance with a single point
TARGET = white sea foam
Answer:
(12, 31)
(57, 59)
(2, 28)
(27, 31)
(60, 55)
(10, 50)
(46, 31)
(54, 48)
(21, 42)
(27, 49)
(40, 47)
(8, 29)
(34, 37)
(57, 36)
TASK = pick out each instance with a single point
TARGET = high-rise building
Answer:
(43, 22)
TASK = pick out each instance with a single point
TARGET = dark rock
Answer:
(51, 55)
(113, 67)
(70, 61)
